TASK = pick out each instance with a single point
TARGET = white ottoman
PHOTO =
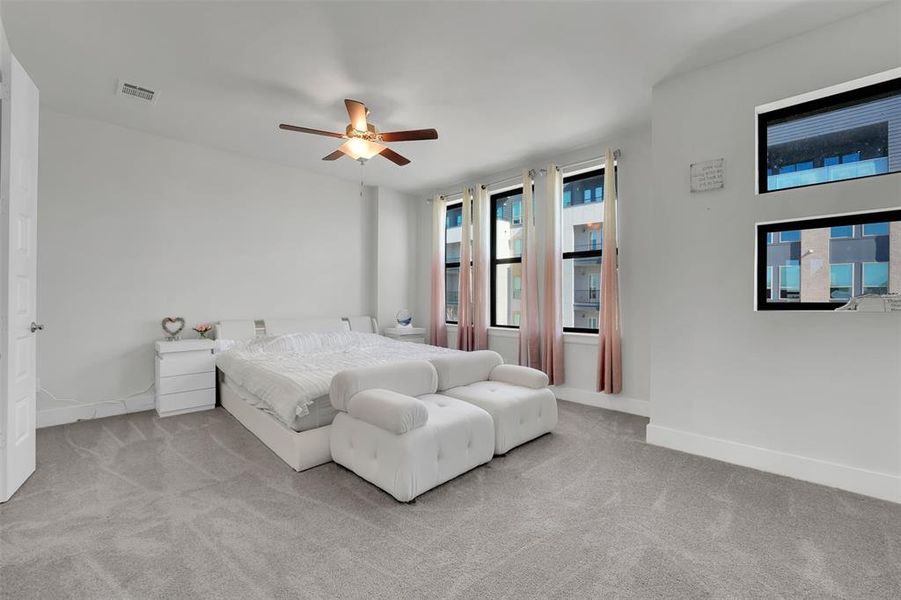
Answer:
(517, 398)
(395, 432)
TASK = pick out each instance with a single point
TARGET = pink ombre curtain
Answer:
(610, 362)
(481, 264)
(465, 337)
(529, 332)
(438, 325)
(552, 323)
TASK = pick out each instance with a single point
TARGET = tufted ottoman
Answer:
(394, 431)
(517, 398)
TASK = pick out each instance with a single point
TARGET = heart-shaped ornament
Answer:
(173, 326)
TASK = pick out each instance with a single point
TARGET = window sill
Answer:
(569, 337)
(504, 332)
(581, 339)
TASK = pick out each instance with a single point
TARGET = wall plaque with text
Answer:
(708, 175)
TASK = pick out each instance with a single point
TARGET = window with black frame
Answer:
(841, 136)
(453, 229)
(506, 258)
(821, 263)
(582, 241)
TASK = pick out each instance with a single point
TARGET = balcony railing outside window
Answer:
(589, 297)
(863, 168)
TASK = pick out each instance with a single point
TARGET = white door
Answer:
(18, 182)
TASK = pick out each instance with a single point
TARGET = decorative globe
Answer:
(404, 318)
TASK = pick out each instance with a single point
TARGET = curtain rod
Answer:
(617, 154)
(512, 179)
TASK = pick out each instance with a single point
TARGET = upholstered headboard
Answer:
(247, 329)
(363, 323)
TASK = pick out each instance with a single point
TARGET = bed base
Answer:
(301, 450)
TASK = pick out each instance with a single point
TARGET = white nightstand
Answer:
(185, 376)
(406, 334)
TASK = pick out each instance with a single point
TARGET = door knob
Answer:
(35, 327)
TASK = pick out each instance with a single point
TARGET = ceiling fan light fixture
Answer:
(364, 140)
(361, 148)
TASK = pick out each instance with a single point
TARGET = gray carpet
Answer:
(196, 507)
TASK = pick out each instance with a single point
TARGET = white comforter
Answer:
(288, 372)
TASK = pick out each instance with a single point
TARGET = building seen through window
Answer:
(506, 258)
(453, 229)
(583, 235)
(846, 136)
(582, 242)
(830, 265)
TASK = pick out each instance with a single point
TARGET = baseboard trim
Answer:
(632, 406)
(50, 417)
(852, 479)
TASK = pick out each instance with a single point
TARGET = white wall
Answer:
(134, 227)
(811, 395)
(580, 350)
(396, 258)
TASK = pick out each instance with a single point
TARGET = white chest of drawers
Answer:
(185, 377)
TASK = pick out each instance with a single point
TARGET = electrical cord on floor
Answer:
(123, 401)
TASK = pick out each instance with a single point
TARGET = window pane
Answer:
(841, 282)
(507, 293)
(790, 236)
(451, 295)
(508, 227)
(583, 220)
(843, 232)
(454, 216)
(516, 204)
(808, 145)
(789, 282)
(581, 292)
(453, 233)
(842, 275)
(875, 229)
(875, 278)
(831, 265)
(585, 189)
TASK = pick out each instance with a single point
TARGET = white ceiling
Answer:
(500, 81)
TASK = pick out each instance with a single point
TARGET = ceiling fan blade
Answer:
(357, 112)
(395, 157)
(409, 136)
(287, 127)
(334, 155)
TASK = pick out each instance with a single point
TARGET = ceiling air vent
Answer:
(136, 91)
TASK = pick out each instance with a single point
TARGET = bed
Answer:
(273, 376)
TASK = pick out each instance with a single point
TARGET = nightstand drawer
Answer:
(185, 363)
(185, 401)
(186, 383)
(415, 339)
